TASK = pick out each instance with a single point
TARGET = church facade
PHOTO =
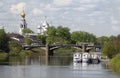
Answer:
(40, 29)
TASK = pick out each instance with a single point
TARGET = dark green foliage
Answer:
(111, 47)
(115, 63)
(27, 30)
(81, 36)
(104, 39)
(15, 48)
(63, 32)
(66, 49)
(41, 38)
(4, 39)
(28, 41)
(3, 56)
(51, 31)
(49, 40)
(58, 35)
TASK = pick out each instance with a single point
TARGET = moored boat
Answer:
(85, 57)
(77, 57)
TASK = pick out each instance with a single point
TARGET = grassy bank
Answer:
(3, 56)
(22, 53)
(32, 52)
(65, 50)
(115, 63)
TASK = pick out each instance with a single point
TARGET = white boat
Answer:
(77, 57)
(85, 57)
(95, 57)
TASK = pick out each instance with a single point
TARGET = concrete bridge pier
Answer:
(48, 51)
(84, 46)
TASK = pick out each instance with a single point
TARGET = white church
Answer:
(40, 29)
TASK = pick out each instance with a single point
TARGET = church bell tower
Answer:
(23, 23)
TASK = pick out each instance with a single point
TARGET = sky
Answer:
(99, 17)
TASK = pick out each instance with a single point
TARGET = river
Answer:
(55, 67)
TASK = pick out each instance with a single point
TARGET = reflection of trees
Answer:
(60, 60)
(40, 60)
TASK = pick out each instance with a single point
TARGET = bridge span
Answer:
(51, 47)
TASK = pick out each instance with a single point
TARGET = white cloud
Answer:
(81, 9)
(62, 2)
(51, 8)
(115, 28)
(1, 4)
(95, 13)
(85, 7)
(113, 20)
(18, 7)
(37, 11)
(89, 1)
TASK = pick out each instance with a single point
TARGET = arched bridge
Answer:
(50, 48)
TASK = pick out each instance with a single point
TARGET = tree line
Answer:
(63, 35)
(56, 35)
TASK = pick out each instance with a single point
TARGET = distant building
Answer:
(43, 27)
(23, 23)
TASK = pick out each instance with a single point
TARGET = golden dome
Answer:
(23, 14)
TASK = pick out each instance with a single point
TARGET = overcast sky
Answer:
(100, 17)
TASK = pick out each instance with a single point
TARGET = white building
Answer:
(43, 27)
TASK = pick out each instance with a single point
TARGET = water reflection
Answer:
(54, 67)
(40, 60)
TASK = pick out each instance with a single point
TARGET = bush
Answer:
(27, 41)
(24, 53)
(15, 48)
(4, 41)
(3, 56)
(110, 49)
(115, 63)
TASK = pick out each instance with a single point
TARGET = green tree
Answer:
(51, 31)
(49, 40)
(59, 34)
(4, 39)
(41, 38)
(27, 31)
(63, 32)
(102, 40)
(110, 49)
(27, 41)
(75, 36)
(81, 36)
(15, 47)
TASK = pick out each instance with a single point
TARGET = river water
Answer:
(55, 67)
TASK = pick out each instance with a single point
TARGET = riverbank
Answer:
(115, 63)
(32, 52)
(22, 53)
(3, 56)
(18, 52)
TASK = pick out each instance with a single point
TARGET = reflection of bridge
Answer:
(50, 48)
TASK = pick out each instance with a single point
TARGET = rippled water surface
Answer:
(55, 67)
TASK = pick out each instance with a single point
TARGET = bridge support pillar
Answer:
(48, 51)
(84, 48)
